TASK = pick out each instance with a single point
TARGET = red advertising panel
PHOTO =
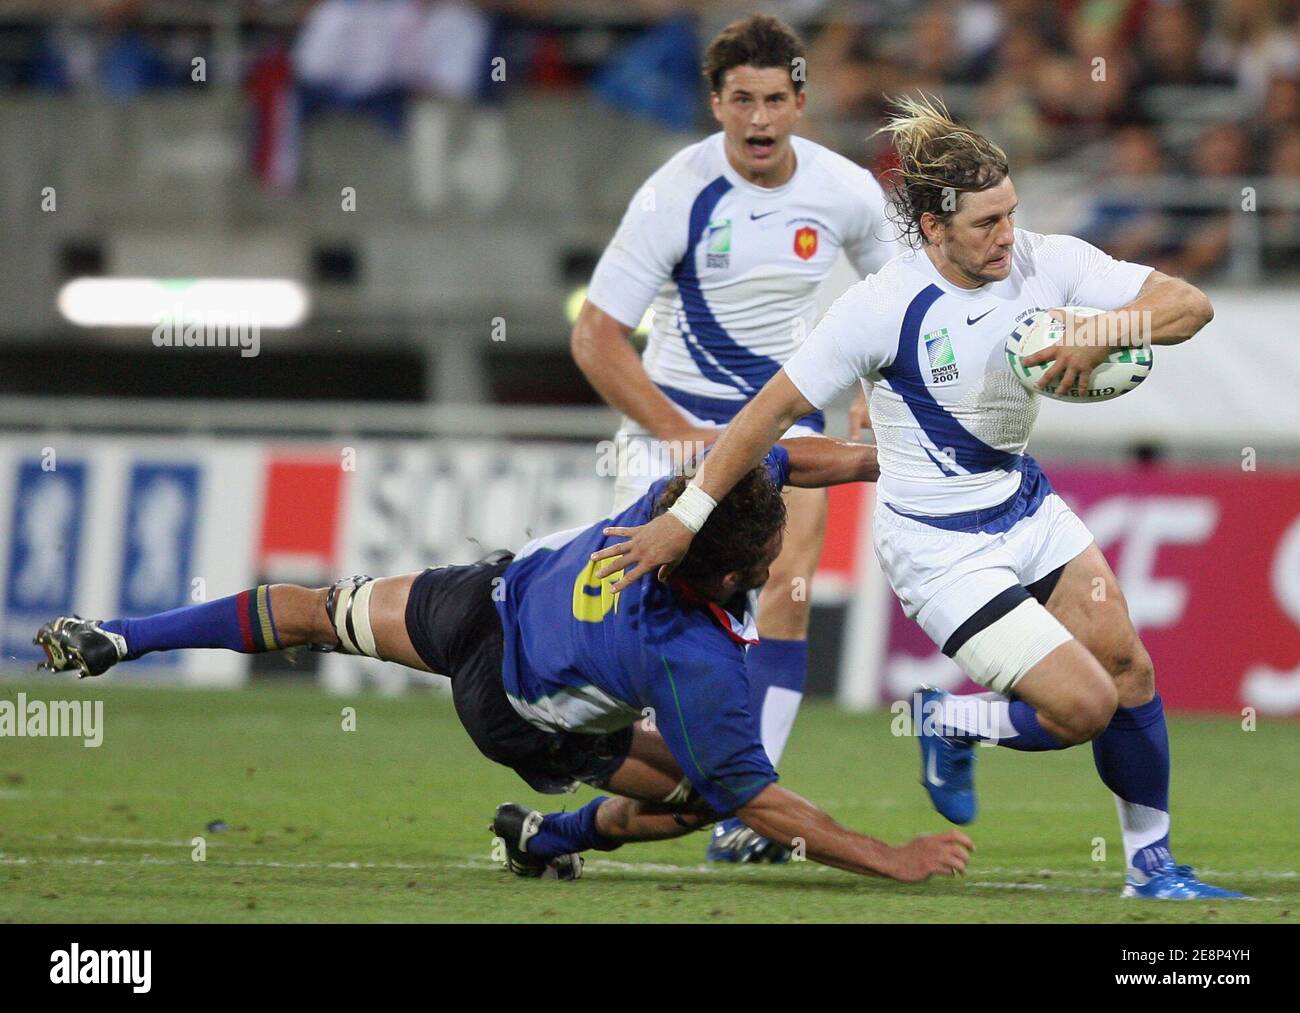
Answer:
(302, 512)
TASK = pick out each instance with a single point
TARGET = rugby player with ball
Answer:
(981, 552)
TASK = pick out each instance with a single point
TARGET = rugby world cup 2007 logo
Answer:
(943, 363)
(718, 251)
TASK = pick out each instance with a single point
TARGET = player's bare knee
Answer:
(1090, 710)
(1092, 721)
(1134, 676)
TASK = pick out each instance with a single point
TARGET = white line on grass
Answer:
(130, 842)
(599, 865)
(613, 866)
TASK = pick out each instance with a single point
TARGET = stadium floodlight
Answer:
(573, 306)
(144, 302)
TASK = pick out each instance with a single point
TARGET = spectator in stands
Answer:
(1009, 107)
(1127, 221)
(1282, 221)
(1281, 111)
(1256, 44)
(1205, 233)
(1170, 49)
(853, 70)
(931, 59)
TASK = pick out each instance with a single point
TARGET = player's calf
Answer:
(247, 622)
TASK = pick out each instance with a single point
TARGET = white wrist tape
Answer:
(693, 507)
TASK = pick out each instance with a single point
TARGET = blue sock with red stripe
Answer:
(242, 622)
(565, 833)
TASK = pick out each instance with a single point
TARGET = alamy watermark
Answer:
(179, 329)
(75, 966)
(1117, 329)
(70, 719)
(970, 716)
(647, 458)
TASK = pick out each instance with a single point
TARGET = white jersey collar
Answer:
(801, 160)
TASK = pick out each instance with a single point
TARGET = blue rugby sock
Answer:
(565, 833)
(242, 622)
(1026, 733)
(1132, 757)
(778, 672)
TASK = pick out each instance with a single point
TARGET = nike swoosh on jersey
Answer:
(753, 217)
(969, 321)
(932, 770)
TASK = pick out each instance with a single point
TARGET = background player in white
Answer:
(729, 241)
(980, 551)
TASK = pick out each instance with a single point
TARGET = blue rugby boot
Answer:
(1173, 882)
(947, 765)
(732, 841)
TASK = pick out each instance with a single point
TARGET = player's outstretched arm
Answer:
(781, 815)
(661, 544)
(819, 461)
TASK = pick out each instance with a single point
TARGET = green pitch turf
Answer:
(389, 823)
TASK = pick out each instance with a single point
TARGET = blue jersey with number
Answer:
(580, 659)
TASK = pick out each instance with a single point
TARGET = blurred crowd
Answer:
(1130, 93)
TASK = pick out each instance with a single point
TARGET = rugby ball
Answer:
(1123, 369)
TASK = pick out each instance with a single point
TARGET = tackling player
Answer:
(641, 693)
(978, 548)
(729, 242)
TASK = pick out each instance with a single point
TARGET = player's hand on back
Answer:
(659, 545)
(929, 855)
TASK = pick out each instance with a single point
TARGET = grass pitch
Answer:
(389, 823)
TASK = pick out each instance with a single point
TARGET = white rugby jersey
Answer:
(732, 269)
(951, 421)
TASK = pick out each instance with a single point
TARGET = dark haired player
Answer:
(642, 693)
(980, 551)
(729, 242)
